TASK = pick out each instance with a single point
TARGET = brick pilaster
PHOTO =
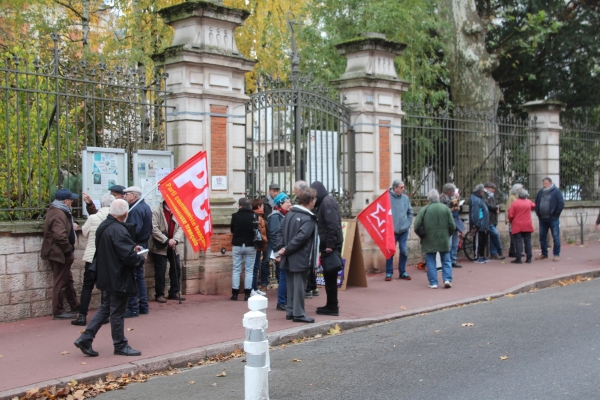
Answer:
(384, 155)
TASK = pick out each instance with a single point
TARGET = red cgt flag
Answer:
(186, 192)
(377, 220)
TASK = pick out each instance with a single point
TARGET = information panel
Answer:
(149, 167)
(101, 169)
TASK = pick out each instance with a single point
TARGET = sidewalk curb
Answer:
(182, 358)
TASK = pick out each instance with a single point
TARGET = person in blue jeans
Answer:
(402, 214)
(494, 209)
(549, 204)
(140, 216)
(243, 251)
(282, 205)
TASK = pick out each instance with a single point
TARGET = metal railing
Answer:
(464, 147)
(53, 107)
(579, 158)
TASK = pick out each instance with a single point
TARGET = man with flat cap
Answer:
(268, 199)
(57, 249)
(116, 190)
(140, 215)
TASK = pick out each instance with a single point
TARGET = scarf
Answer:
(281, 210)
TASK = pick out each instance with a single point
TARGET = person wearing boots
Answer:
(242, 229)
(329, 227)
(166, 235)
(89, 276)
(298, 245)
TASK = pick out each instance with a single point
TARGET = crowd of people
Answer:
(438, 225)
(294, 237)
(123, 227)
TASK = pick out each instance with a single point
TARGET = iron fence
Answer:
(53, 107)
(296, 131)
(464, 147)
(579, 158)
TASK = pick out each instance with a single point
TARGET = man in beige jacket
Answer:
(166, 235)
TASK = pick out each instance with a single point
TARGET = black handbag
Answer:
(256, 234)
(421, 231)
(331, 262)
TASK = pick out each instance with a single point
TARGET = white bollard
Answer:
(256, 346)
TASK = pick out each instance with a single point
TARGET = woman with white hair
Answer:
(89, 277)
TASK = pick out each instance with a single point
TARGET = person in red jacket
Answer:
(519, 215)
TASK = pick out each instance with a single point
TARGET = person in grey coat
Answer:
(479, 222)
(402, 214)
(299, 252)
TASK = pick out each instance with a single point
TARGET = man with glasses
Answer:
(141, 217)
(402, 214)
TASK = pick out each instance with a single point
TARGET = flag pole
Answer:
(144, 196)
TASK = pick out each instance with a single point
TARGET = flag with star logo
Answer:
(377, 220)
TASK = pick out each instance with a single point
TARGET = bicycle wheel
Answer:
(469, 246)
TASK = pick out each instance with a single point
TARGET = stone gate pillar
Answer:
(372, 90)
(206, 96)
(544, 150)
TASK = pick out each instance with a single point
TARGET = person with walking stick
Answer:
(166, 235)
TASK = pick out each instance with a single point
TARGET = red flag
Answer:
(377, 220)
(186, 192)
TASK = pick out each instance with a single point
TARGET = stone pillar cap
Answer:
(544, 105)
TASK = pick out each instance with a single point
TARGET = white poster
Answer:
(323, 159)
(160, 174)
(147, 184)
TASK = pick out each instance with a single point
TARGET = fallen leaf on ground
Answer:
(190, 364)
(295, 360)
(283, 346)
(0, 355)
(318, 335)
(129, 329)
(488, 298)
(82, 331)
(62, 353)
(510, 295)
(83, 363)
(335, 330)
(402, 308)
(31, 392)
(504, 358)
(73, 382)
(467, 324)
(222, 374)
(214, 384)
(191, 382)
(437, 331)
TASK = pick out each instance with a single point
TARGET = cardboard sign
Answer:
(353, 273)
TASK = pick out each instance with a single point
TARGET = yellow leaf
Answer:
(467, 324)
(488, 298)
(316, 336)
(81, 331)
(402, 308)
(191, 382)
(73, 382)
(503, 358)
(335, 330)
(31, 392)
(222, 374)
(295, 360)
(437, 331)
(510, 295)
(62, 353)
(83, 363)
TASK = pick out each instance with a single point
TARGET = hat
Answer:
(133, 189)
(65, 194)
(280, 199)
(274, 186)
(117, 189)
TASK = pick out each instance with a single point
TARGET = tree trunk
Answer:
(470, 64)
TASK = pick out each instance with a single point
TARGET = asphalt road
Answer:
(551, 339)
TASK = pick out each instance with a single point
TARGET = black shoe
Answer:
(308, 295)
(304, 318)
(516, 262)
(456, 266)
(85, 348)
(333, 311)
(128, 351)
(528, 261)
(65, 315)
(247, 294)
(175, 297)
(131, 314)
(234, 294)
(281, 307)
(288, 317)
(80, 321)
(315, 292)
(144, 311)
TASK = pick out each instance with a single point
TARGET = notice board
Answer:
(102, 168)
(149, 167)
(353, 273)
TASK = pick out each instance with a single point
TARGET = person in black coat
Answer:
(115, 261)
(298, 252)
(242, 228)
(329, 224)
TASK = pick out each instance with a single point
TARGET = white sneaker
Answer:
(447, 284)
(432, 286)
(254, 293)
(258, 291)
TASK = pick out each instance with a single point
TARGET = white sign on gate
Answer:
(323, 159)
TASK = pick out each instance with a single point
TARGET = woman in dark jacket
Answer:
(299, 252)
(242, 228)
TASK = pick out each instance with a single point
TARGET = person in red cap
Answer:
(57, 249)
